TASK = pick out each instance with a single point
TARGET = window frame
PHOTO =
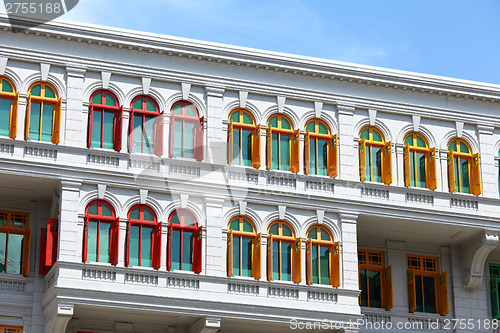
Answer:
(255, 138)
(494, 287)
(295, 254)
(331, 145)
(56, 102)
(25, 230)
(294, 141)
(333, 266)
(256, 247)
(385, 160)
(369, 265)
(199, 132)
(157, 117)
(155, 236)
(195, 229)
(14, 104)
(9, 329)
(457, 156)
(117, 112)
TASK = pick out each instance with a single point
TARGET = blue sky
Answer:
(454, 38)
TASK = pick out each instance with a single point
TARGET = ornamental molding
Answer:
(475, 254)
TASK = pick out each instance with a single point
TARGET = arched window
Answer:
(100, 233)
(15, 243)
(375, 156)
(283, 253)
(243, 248)
(9, 100)
(184, 242)
(186, 131)
(43, 113)
(322, 257)
(419, 162)
(145, 126)
(464, 173)
(243, 139)
(282, 144)
(105, 121)
(143, 238)
(320, 149)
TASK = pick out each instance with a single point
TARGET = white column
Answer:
(348, 154)
(75, 126)
(216, 137)
(489, 172)
(70, 233)
(348, 224)
(215, 262)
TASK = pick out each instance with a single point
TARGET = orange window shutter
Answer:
(309, 277)
(297, 260)
(256, 147)
(13, 117)
(333, 157)
(432, 177)
(476, 174)
(229, 253)
(387, 169)
(269, 147)
(56, 125)
(387, 288)
(362, 160)
(407, 165)
(295, 152)
(307, 153)
(443, 294)
(26, 253)
(269, 257)
(230, 143)
(335, 265)
(451, 171)
(27, 118)
(256, 257)
(412, 299)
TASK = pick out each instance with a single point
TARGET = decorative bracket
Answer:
(205, 325)
(475, 254)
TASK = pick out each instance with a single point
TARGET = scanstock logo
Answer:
(26, 14)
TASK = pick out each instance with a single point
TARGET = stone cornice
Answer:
(257, 59)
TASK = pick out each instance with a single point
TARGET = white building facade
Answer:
(158, 184)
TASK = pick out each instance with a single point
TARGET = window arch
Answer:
(283, 253)
(419, 162)
(184, 242)
(100, 233)
(145, 126)
(43, 113)
(9, 101)
(375, 156)
(105, 121)
(320, 149)
(464, 174)
(186, 131)
(282, 144)
(322, 257)
(243, 248)
(243, 139)
(143, 246)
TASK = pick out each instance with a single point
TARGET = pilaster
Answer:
(214, 250)
(76, 121)
(215, 141)
(70, 236)
(348, 156)
(489, 173)
(348, 220)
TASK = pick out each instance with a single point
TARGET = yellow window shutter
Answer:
(13, 117)
(297, 260)
(387, 160)
(269, 257)
(307, 153)
(407, 165)
(269, 147)
(256, 148)
(476, 174)
(309, 276)
(362, 159)
(256, 257)
(412, 299)
(230, 142)
(56, 125)
(443, 294)
(295, 152)
(333, 157)
(27, 118)
(26, 253)
(432, 177)
(451, 171)
(387, 288)
(229, 253)
(335, 265)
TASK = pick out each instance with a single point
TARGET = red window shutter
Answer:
(333, 168)
(171, 135)
(230, 142)
(127, 244)
(256, 257)
(307, 153)
(13, 117)
(52, 237)
(335, 265)
(157, 247)
(131, 130)
(90, 124)
(169, 246)
(159, 122)
(229, 254)
(297, 260)
(256, 148)
(269, 147)
(309, 261)
(42, 267)
(26, 253)
(197, 261)
(56, 125)
(85, 238)
(118, 129)
(269, 257)
(114, 242)
(200, 133)
(27, 118)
